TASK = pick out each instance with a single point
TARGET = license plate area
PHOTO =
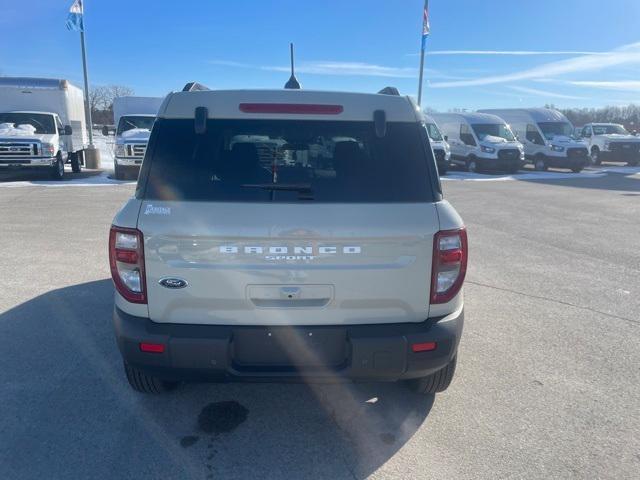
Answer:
(289, 348)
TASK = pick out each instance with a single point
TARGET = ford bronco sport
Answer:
(288, 234)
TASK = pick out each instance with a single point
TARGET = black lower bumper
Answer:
(500, 165)
(620, 156)
(331, 353)
(577, 161)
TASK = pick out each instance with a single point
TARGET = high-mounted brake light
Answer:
(291, 108)
(449, 264)
(126, 258)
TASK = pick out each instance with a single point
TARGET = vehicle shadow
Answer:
(69, 413)
(622, 179)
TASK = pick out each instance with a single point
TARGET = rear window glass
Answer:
(286, 161)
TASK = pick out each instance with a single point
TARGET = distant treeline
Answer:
(628, 115)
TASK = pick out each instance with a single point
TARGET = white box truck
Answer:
(133, 117)
(42, 125)
(547, 136)
(480, 142)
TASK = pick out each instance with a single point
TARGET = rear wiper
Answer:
(304, 189)
(285, 187)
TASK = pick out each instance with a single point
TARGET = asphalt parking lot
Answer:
(548, 380)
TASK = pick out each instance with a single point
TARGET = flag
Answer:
(426, 28)
(74, 19)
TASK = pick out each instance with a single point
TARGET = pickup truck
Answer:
(611, 142)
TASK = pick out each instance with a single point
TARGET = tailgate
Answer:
(287, 264)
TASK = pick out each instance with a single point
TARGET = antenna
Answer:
(292, 83)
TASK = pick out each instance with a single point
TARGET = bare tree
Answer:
(101, 101)
(97, 98)
(119, 91)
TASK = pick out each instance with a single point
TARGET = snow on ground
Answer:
(453, 175)
(100, 179)
(592, 172)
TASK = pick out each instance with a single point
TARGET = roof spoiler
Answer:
(389, 91)
(194, 87)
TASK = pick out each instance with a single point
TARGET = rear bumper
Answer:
(354, 352)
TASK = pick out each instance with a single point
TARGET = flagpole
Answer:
(87, 107)
(425, 32)
(420, 79)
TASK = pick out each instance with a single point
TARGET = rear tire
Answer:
(576, 169)
(76, 167)
(57, 169)
(632, 163)
(144, 383)
(436, 382)
(595, 156)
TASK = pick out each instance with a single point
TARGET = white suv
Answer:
(288, 234)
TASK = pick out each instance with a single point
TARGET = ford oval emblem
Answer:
(173, 282)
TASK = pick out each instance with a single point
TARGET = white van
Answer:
(133, 117)
(42, 125)
(441, 150)
(481, 142)
(547, 136)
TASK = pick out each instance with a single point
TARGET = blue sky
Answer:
(480, 53)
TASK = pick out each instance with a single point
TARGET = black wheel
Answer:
(576, 169)
(539, 164)
(143, 383)
(472, 165)
(118, 173)
(436, 382)
(76, 167)
(442, 170)
(595, 156)
(57, 169)
(632, 163)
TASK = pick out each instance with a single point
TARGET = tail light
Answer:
(126, 258)
(449, 264)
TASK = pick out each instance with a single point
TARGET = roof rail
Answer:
(389, 91)
(194, 87)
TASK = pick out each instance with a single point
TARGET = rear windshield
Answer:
(287, 161)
